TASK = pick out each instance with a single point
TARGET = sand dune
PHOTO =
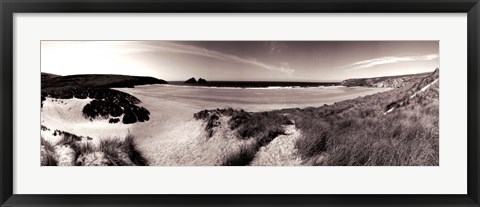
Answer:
(66, 115)
(281, 151)
(173, 137)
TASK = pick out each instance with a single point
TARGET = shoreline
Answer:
(257, 88)
(253, 99)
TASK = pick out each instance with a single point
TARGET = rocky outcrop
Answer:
(192, 80)
(375, 82)
(385, 82)
(202, 81)
(389, 83)
(420, 88)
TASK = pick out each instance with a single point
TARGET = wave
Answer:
(256, 88)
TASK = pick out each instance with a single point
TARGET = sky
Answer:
(241, 60)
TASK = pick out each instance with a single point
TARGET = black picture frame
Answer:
(10, 7)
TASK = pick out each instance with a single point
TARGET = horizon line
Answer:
(320, 81)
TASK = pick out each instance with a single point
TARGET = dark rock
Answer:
(202, 81)
(191, 81)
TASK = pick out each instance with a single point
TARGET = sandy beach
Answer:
(172, 136)
(250, 99)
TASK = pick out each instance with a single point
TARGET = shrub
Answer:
(68, 138)
(133, 152)
(42, 99)
(129, 117)
(113, 120)
(122, 152)
(107, 102)
(141, 113)
(243, 157)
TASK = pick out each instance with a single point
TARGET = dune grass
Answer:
(111, 152)
(122, 152)
(405, 137)
(260, 128)
(355, 132)
(47, 153)
(358, 132)
(242, 157)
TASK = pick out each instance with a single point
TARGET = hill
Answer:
(107, 103)
(425, 88)
(386, 81)
(98, 81)
(46, 76)
(398, 127)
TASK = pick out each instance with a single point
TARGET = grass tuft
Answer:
(243, 157)
(47, 153)
(115, 152)
(122, 152)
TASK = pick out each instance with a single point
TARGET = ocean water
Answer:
(257, 84)
(251, 99)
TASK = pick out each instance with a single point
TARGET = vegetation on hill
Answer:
(359, 132)
(100, 81)
(107, 102)
(261, 128)
(430, 81)
(45, 76)
(386, 81)
(351, 132)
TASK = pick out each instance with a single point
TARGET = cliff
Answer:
(387, 81)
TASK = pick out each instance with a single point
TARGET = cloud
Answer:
(275, 47)
(388, 60)
(198, 51)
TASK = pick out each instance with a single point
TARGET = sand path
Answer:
(281, 151)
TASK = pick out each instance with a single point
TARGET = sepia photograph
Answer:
(239, 103)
